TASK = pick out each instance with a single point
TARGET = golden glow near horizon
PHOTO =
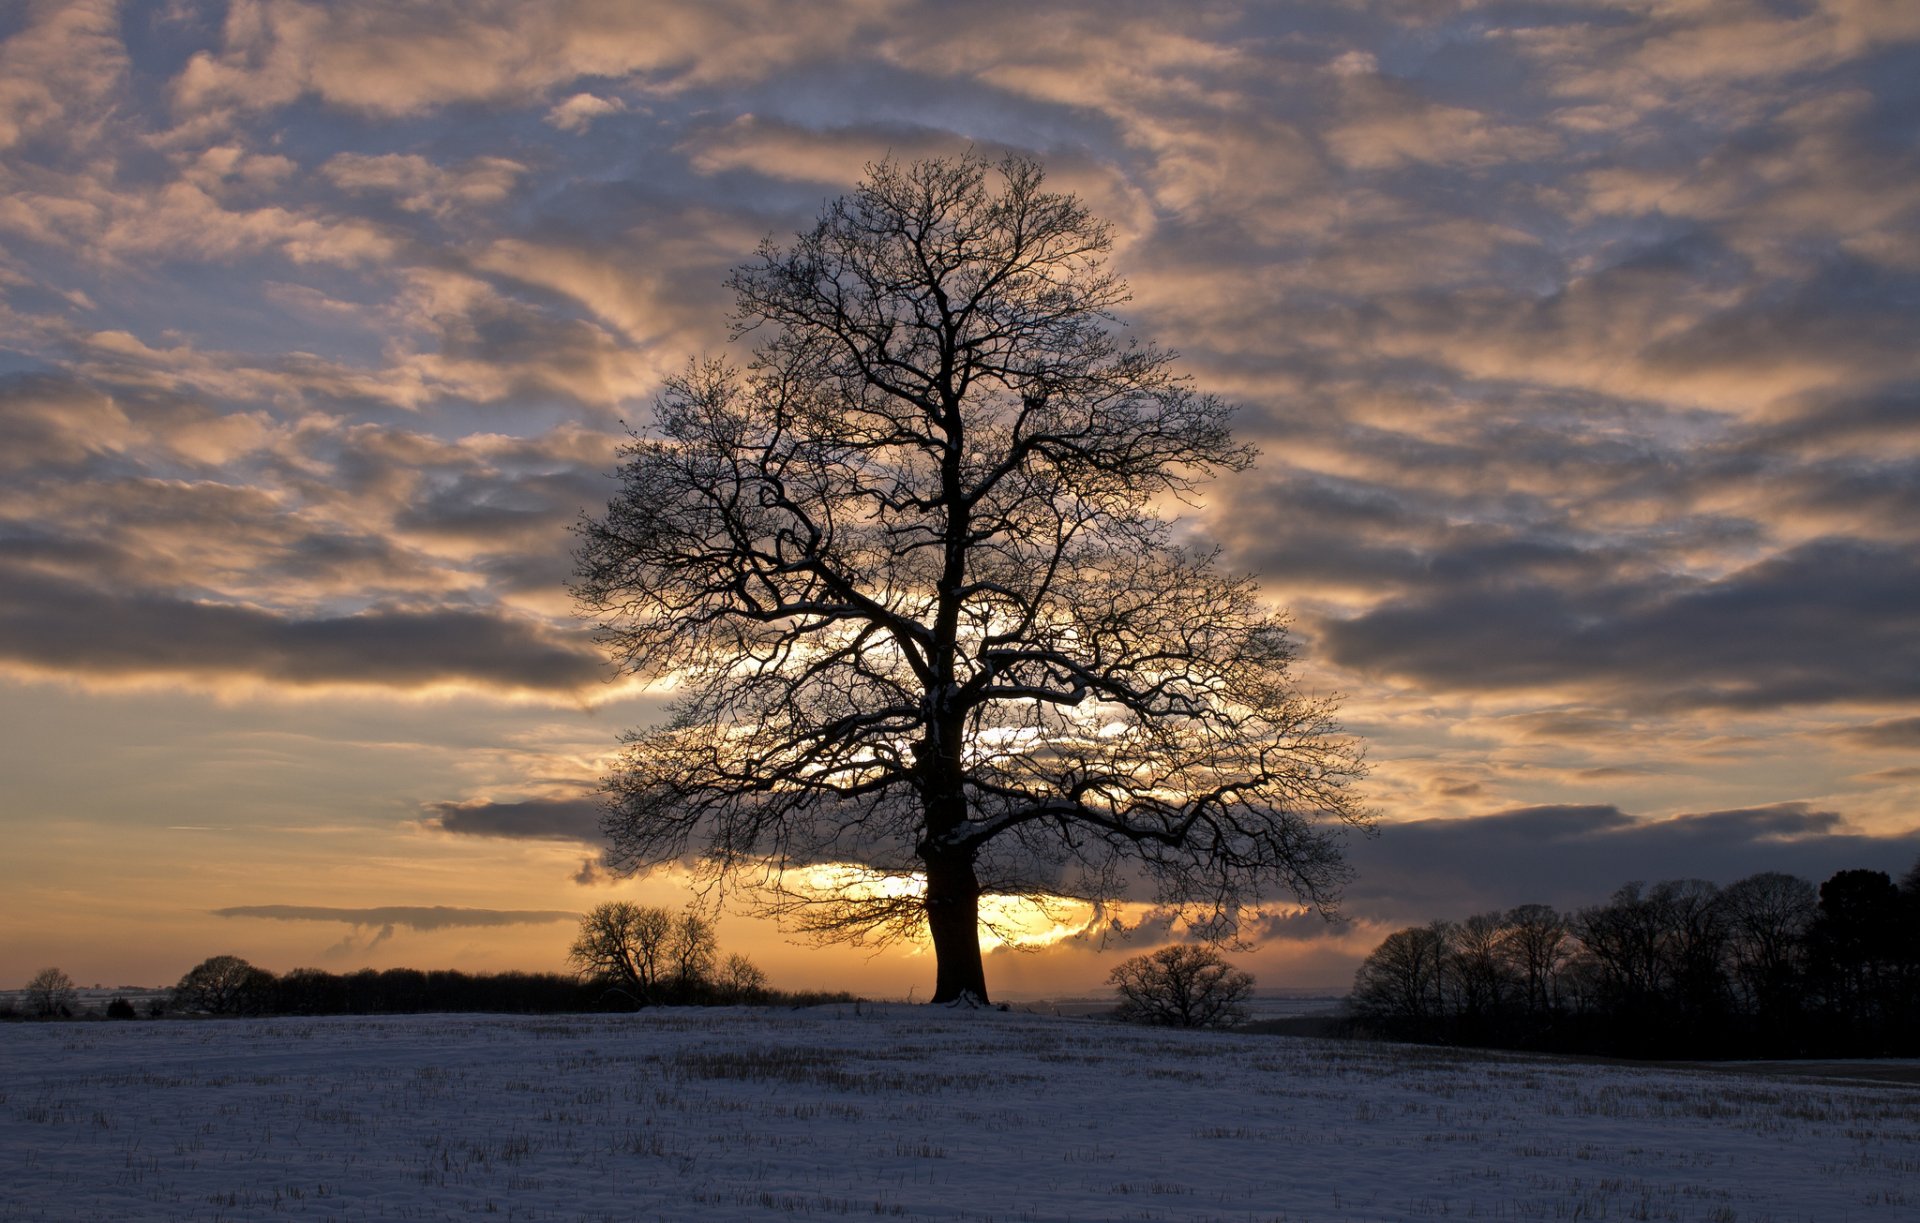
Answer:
(1019, 922)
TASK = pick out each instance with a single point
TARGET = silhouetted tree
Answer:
(647, 952)
(907, 574)
(1855, 945)
(49, 994)
(1482, 985)
(1681, 968)
(690, 953)
(1536, 944)
(224, 985)
(1694, 946)
(740, 980)
(1182, 986)
(1621, 942)
(1402, 984)
(1769, 916)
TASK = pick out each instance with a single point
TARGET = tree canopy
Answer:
(907, 575)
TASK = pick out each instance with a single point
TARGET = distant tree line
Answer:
(1765, 967)
(627, 956)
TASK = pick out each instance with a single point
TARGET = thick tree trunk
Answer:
(953, 920)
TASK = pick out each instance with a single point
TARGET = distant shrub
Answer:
(120, 1008)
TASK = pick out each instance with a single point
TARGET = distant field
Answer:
(902, 1111)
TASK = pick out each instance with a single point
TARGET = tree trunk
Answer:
(953, 921)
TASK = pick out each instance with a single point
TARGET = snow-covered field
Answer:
(904, 1111)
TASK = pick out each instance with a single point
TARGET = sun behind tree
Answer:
(906, 577)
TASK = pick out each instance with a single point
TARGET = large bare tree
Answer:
(908, 578)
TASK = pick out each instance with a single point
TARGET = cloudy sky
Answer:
(1579, 340)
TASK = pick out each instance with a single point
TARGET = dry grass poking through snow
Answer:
(904, 1112)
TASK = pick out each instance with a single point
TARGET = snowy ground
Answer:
(908, 1112)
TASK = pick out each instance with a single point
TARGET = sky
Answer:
(1578, 340)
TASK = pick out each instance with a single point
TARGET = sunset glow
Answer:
(1016, 922)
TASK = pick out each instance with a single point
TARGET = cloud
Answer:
(389, 61)
(413, 917)
(1893, 734)
(565, 818)
(385, 919)
(418, 185)
(55, 625)
(60, 71)
(1385, 125)
(1826, 622)
(577, 113)
(1570, 855)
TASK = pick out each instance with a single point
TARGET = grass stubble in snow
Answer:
(911, 1112)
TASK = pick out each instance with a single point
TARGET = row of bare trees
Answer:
(1767, 965)
(643, 954)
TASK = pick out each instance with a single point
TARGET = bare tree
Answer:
(740, 979)
(690, 950)
(224, 985)
(1695, 945)
(1404, 980)
(1623, 944)
(1481, 981)
(49, 993)
(1769, 915)
(1182, 986)
(906, 575)
(1537, 945)
(626, 945)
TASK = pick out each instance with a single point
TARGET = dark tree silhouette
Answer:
(1182, 986)
(906, 574)
(1856, 941)
(1768, 917)
(1537, 945)
(224, 985)
(643, 950)
(1403, 982)
(50, 993)
(1679, 969)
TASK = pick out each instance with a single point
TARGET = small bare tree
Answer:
(907, 575)
(741, 980)
(691, 950)
(1182, 986)
(49, 993)
(624, 944)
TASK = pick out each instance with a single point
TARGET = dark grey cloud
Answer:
(53, 421)
(413, 917)
(501, 510)
(385, 920)
(1569, 856)
(54, 623)
(1893, 734)
(1829, 621)
(574, 818)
